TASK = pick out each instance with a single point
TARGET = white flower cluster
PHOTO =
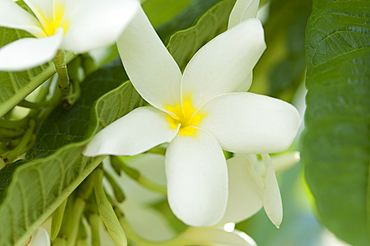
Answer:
(200, 112)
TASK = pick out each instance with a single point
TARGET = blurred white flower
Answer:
(253, 185)
(39, 238)
(197, 113)
(72, 25)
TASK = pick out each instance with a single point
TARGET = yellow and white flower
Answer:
(198, 112)
(73, 25)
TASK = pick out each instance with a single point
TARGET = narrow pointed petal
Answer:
(249, 123)
(134, 133)
(245, 190)
(243, 9)
(271, 198)
(29, 52)
(196, 179)
(224, 63)
(13, 16)
(149, 65)
(100, 24)
(40, 238)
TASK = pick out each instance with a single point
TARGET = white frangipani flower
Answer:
(40, 238)
(72, 25)
(252, 185)
(197, 113)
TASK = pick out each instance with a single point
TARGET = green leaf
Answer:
(186, 18)
(160, 11)
(336, 142)
(184, 44)
(15, 86)
(39, 186)
(281, 68)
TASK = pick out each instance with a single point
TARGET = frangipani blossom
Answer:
(252, 185)
(40, 238)
(72, 25)
(197, 113)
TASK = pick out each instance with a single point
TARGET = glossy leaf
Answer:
(281, 68)
(183, 44)
(160, 11)
(185, 18)
(336, 142)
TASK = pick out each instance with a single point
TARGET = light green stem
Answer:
(57, 220)
(10, 156)
(61, 68)
(82, 195)
(12, 124)
(31, 86)
(118, 193)
(136, 175)
(106, 211)
(94, 221)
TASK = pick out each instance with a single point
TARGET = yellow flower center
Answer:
(50, 25)
(187, 116)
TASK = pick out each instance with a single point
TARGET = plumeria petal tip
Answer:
(100, 25)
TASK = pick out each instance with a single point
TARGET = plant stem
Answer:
(136, 175)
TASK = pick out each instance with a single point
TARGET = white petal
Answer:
(197, 179)
(243, 87)
(13, 16)
(223, 64)
(29, 52)
(243, 9)
(149, 65)
(245, 190)
(249, 123)
(134, 133)
(214, 236)
(100, 24)
(147, 221)
(40, 238)
(41, 8)
(272, 199)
